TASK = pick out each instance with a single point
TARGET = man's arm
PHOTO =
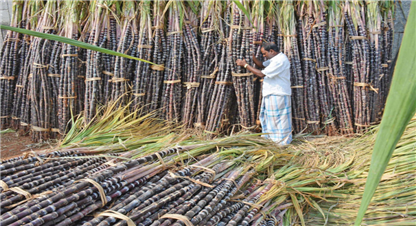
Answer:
(258, 63)
(255, 71)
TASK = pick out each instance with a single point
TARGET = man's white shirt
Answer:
(277, 79)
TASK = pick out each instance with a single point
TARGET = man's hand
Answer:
(241, 62)
(256, 61)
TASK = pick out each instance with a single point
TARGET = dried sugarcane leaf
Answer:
(400, 108)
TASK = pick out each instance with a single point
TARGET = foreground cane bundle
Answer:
(247, 182)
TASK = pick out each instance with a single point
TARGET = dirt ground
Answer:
(13, 145)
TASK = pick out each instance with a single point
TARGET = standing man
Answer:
(275, 115)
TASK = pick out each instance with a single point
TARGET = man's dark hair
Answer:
(270, 45)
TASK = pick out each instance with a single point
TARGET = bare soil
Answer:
(12, 145)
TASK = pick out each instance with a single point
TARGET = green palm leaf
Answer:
(70, 42)
(400, 107)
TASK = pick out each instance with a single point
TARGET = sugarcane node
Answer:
(144, 47)
(80, 76)
(389, 61)
(67, 97)
(319, 24)
(172, 81)
(179, 217)
(93, 79)
(384, 65)
(312, 122)
(288, 36)
(241, 74)
(15, 118)
(107, 73)
(139, 94)
(223, 83)
(174, 32)
(296, 87)
(24, 124)
(358, 37)
(156, 67)
(340, 78)
(54, 75)
(19, 86)
(69, 55)
(117, 215)
(336, 26)
(361, 84)
(348, 62)
(258, 42)
(99, 188)
(249, 127)
(281, 35)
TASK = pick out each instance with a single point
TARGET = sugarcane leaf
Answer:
(194, 6)
(400, 108)
(242, 8)
(297, 208)
(71, 42)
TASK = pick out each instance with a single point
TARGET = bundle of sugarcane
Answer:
(210, 23)
(9, 66)
(21, 104)
(172, 87)
(38, 177)
(42, 84)
(222, 93)
(375, 42)
(326, 99)
(241, 41)
(95, 76)
(192, 73)
(129, 39)
(67, 99)
(306, 85)
(337, 70)
(288, 25)
(355, 21)
(387, 47)
(160, 52)
(145, 46)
